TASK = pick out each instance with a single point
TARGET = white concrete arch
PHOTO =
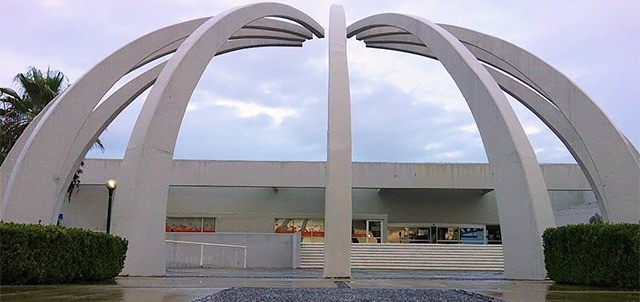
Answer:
(259, 33)
(614, 178)
(262, 33)
(98, 121)
(617, 164)
(108, 110)
(523, 203)
(557, 123)
(541, 107)
(10, 161)
(139, 213)
(28, 189)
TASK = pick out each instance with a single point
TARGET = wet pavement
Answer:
(193, 284)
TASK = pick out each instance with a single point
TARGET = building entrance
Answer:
(374, 229)
(367, 231)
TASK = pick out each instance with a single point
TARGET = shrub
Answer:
(594, 254)
(48, 254)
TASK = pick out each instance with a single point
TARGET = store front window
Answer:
(446, 233)
(371, 231)
(409, 235)
(190, 225)
(311, 230)
(366, 231)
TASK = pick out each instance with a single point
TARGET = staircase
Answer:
(463, 257)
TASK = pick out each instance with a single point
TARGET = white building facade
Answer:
(392, 202)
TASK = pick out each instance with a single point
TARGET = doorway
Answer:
(374, 231)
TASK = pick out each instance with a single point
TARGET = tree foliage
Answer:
(18, 108)
(36, 89)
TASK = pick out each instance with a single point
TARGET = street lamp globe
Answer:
(111, 184)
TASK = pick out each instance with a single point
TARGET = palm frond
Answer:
(98, 144)
(18, 108)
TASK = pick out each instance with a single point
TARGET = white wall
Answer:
(312, 174)
(263, 250)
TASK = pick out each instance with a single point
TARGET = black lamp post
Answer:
(111, 184)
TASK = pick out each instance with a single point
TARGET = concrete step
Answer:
(423, 258)
(413, 256)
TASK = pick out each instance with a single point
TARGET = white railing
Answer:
(203, 257)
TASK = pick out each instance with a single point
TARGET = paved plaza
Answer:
(293, 284)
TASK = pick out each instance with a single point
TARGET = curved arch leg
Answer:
(140, 208)
(523, 203)
(41, 158)
(613, 178)
(70, 120)
(97, 122)
(617, 166)
(541, 107)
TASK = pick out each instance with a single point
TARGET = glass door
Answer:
(374, 231)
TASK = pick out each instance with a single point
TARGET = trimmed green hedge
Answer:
(49, 254)
(594, 254)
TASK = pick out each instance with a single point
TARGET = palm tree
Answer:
(18, 109)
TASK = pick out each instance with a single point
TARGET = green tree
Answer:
(18, 108)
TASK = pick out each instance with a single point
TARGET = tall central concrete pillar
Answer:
(337, 205)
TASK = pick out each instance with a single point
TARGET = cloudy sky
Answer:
(270, 103)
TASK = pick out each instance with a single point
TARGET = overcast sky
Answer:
(270, 103)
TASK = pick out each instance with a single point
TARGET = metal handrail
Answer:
(203, 244)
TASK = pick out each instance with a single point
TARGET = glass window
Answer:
(448, 234)
(409, 235)
(311, 230)
(358, 231)
(190, 225)
(208, 225)
(366, 231)
(285, 226)
(472, 235)
(493, 234)
(374, 231)
(397, 235)
(422, 235)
